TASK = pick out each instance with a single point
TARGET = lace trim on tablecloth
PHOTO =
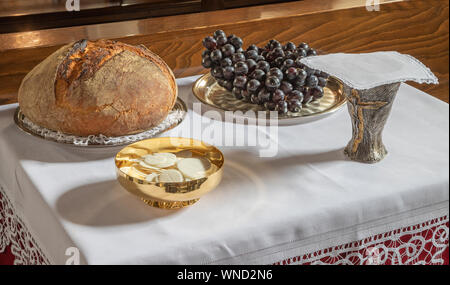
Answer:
(15, 234)
(423, 243)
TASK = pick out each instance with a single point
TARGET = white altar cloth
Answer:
(307, 197)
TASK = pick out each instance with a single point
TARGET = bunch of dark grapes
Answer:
(272, 75)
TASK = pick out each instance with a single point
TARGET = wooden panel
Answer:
(152, 26)
(22, 16)
(92, 14)
(416, 27)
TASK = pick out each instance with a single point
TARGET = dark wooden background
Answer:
(416, 27)
(26, 15)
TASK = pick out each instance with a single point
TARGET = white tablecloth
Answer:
(307, 197)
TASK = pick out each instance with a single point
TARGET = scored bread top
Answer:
(87, 57)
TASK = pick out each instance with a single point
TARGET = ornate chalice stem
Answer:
(369, 110)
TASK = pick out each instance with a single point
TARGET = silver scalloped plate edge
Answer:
(175, 117)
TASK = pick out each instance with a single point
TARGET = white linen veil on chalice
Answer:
(371, 81)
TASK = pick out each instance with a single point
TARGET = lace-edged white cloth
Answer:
(423, 243)
(15, 234)
(172, 119)
(420, 244)
(368, 70)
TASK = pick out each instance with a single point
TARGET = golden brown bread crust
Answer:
(103, 87)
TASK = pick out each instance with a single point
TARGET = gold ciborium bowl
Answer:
(169, 195)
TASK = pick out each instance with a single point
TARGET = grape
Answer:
(286, 87)
(240, 81)
(228, 50)
(290, 55)
(270, 105)
(272, 83)
(272, 75)
(216, 55)
(317, 92)
(217, 72)
(301, 88)
(288, 63)
(253, 54)
(206, 53)
(206, 62)
(209, 43)
(304, 46)
(312, 81)
(270, 56)
(279, 61)
(302, 74)
(298, 84)
(228, 85)
(240, 68)
(254, 99)
(275, 71)
(294, 105)
(237, 57)
(296, 95)
(251, 64)
(264, 53)
(236, 92)
(309, 70)
(236, 41)
(226, 62)
(228, 72)
(274, 44)
(307, 97)
(219, 33)
(322, 82)
(258, 74)
(290, 46)
(221, 40)
(324, 75)
(263, 65)
(291, 73)
(260, 58)
(312, 52)
(253, 47)
(282, 107)
(263, 95)
(302, 53)
(245, 95)
(253, 86)
(278, 95)
(277, 52)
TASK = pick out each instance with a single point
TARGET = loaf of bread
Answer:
(99, 87)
